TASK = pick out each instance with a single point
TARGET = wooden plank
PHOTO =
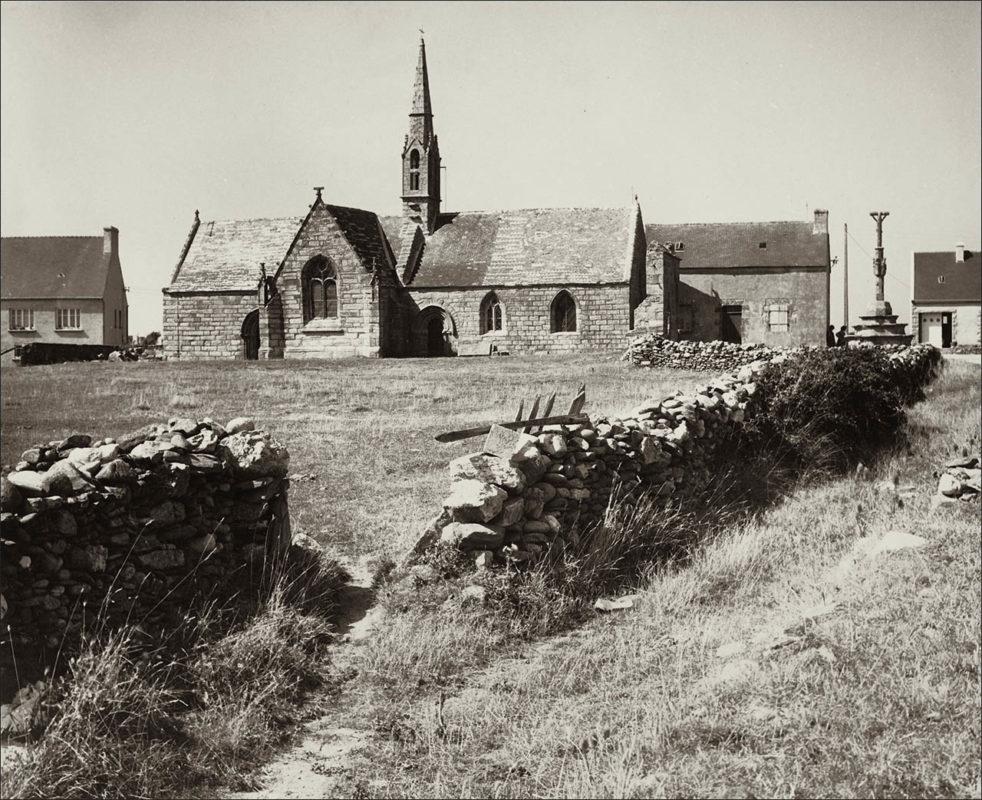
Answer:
(533, 412)
(579, 401)
(521, 410)
(545, 412)
(562, 419)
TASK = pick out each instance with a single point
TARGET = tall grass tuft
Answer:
(199, 708)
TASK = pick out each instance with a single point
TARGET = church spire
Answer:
(421, 93)
(421, 154)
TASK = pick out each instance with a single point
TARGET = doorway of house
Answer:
(732, 324)
(935, 328)
(250, 335)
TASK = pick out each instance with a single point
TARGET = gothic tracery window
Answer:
(414, 170)
(492, 316)
(563, 314)
(320, 290)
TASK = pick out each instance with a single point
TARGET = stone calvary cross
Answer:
(574, 415)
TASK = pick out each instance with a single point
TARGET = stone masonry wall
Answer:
(356, 330)
(206, 325)
(804, 292)
(603, 316)
(140, 526)
(524, 494)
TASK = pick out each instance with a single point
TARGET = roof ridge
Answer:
(54, 236)
(746, 222)
(540, 208)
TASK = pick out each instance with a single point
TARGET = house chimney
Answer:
(110, 241)
(821, 224)
(959, 253)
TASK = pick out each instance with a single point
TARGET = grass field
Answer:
(362, 430)
(779, 660)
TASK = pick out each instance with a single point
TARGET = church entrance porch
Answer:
(250, 335)
(434, 333)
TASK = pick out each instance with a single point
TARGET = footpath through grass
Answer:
(783, 660)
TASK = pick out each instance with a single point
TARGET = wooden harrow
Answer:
(533, 422)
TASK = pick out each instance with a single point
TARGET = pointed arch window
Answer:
(492, 314)
(320, 289)
(563, 313)
(414, 171)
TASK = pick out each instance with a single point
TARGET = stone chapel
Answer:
(344, 282)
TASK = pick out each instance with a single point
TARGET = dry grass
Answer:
(686, 696)
(362, 428)
(201, 708)
(678, 697)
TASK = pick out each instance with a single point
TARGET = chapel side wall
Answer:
(356, 330)
(205, 326)
(805, 292)
(603, 317)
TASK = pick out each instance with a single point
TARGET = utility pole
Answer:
(845, 274)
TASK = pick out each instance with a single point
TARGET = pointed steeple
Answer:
(421, 154)
(421, 115)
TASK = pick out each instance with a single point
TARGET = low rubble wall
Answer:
(138, 528)
(524, 494)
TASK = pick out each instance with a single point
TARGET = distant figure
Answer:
(840, 337)
(830, 336)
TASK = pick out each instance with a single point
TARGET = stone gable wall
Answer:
(357, 329)
(205, 326)
(141, 527)
(603, 315)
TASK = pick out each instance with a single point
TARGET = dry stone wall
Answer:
(657, 351)
(524, 494)
(138, 527)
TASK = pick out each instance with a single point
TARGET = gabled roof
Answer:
(725, 245)
(364, 233)
(39, 267)
(513, 248)
(225, 254)
(962, 281)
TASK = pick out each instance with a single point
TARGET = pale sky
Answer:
(135, 114)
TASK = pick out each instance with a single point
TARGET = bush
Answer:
(830, 409)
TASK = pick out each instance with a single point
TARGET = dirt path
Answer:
(317, 766)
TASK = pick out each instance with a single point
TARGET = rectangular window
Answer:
(21, 319)
(777, 319)
(68, 319)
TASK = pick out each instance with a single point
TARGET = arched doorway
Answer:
(435, 333)
(250, 335)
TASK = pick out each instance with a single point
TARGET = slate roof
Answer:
(225, 254)
(520, 247)
(961, 281)
(362, 230)
(716, 245)
(39, 267)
